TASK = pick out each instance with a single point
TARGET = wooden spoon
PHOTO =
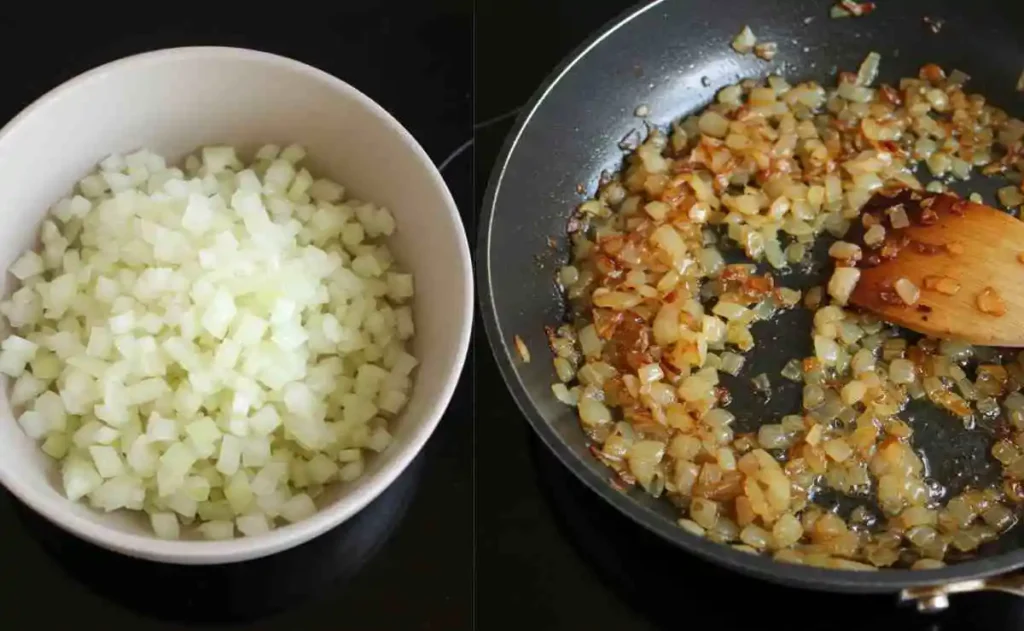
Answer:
(966, 260)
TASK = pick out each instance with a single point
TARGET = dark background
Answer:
(415, 59)
(550, 554)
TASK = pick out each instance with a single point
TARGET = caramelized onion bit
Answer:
(524, 352)
(942, 284)
(990, 302)
(766, 50)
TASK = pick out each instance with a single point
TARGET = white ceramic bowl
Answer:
(173, 101)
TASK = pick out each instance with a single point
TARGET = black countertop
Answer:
(347, 579)
(550, 554)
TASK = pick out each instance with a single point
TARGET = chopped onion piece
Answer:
(874, 235)
(990, 302)
(868, 69)
(907, 291)
(199, 343)
(842, 283)
(745, 41)
(1010, 196)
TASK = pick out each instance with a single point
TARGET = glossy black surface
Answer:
(672, 57)
(551, 553)
(404, 562)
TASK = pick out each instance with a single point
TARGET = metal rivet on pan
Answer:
(933, 604)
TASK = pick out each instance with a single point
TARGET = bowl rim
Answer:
(200, 552)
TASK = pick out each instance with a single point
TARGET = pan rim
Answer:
(819, 579)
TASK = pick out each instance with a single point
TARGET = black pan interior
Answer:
(673, 56)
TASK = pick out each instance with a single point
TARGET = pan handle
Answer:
(935, 598)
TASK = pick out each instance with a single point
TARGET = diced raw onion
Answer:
(211, 344)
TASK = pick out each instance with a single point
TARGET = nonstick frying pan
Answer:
(673, 56)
